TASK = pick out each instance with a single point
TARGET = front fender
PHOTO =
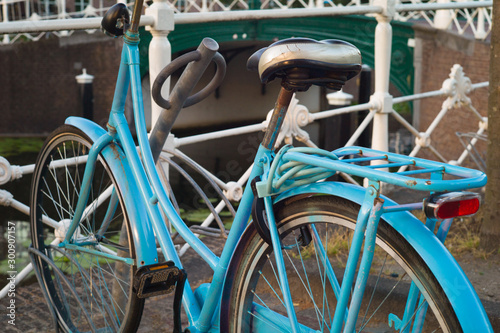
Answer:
(449, 274)
(142, 233)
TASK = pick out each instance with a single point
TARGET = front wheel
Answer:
(88, 287)
(310, 228)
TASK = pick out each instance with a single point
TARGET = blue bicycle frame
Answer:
(140, 173)
(148, 184)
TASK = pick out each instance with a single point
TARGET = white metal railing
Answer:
(464, 17)
(297, 118)
(457, 15)
(160, 19)
(455, 90)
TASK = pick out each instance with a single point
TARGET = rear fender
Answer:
(449, 274)
(142, 231)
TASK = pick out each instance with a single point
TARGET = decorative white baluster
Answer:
(5, 18)
(160, 51)
(480, 30)
(381, 96)
(62, 14)
(456, 88)
(442, 18)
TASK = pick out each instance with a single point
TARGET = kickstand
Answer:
(179, 289)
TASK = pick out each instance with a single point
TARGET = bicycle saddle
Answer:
(302, 62)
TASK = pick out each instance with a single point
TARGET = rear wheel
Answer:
(330, 221)
(87, 291)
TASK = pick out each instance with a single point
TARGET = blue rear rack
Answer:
(298, 166)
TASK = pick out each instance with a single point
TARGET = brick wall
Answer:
(39, 88)
(440, 51)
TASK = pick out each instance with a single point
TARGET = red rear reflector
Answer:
(449, 205)
(458, 208)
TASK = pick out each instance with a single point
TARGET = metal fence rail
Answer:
(464, 17)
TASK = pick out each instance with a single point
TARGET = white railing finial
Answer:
(456, 88)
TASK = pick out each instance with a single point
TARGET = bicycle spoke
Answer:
(265, 305)
(317, 311)
(309, 290)
(59, 189)
(323, 284)
(274, 271)
(103, 284)
(48, 194)
(412, 316)
(270, 286)
(374, 289)
(276, 328)
(382, 302)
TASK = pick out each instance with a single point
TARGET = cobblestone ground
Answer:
(33, 316)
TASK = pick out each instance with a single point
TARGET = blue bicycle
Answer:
(302, 255)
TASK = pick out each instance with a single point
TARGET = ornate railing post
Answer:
(481, 32)
(442, 18)
(160, 55)
(160, 51)
(456, 88)
(381, 97)
(5, 18)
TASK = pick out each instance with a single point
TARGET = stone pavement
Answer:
(32, 314)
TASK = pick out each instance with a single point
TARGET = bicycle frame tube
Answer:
(352, 260)
(129, 73)
(405, 323)
(366, 261)
(87, 178)
(147, 184)
(239, 225)
(145, 176)
(115, 158)
(285, 288)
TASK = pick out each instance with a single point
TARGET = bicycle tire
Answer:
(251, 281)
(104, 285)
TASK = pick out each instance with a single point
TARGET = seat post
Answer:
(277, 118)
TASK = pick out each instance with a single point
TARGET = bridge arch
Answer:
(358, 30)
